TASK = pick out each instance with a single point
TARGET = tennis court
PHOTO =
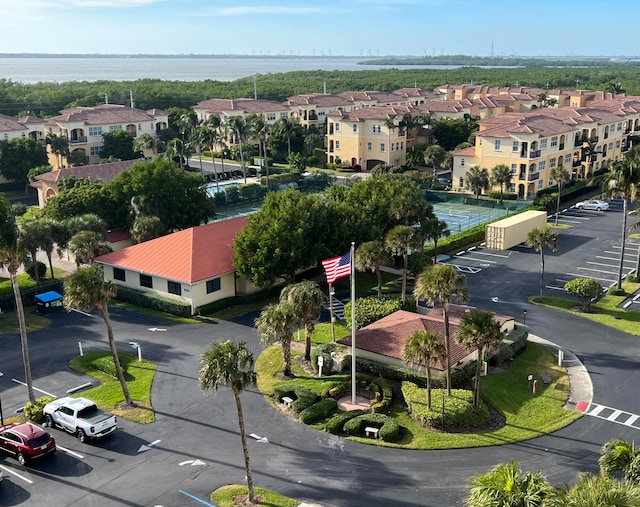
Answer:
(461, 217)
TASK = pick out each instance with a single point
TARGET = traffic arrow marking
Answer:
(259, 439)
(192, 462)
(146, 447)
(154, 329)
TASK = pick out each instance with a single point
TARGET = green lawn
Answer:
(526, 416)
(34, 321)
(234, 494)
(108, 395)
(606, 311)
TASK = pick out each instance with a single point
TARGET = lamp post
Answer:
(524, 317)
(1, 416)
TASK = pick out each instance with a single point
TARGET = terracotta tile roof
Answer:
(95, 172)
(105, 114)
(186, 256)
(156, 112)
(317, 99)
(413, 92)
(373, 113)
(12, 124)
(242, 105)
(445, 106)
(389, 335)
(466, 152)
(118, 235)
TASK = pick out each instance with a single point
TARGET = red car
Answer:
(26, 441)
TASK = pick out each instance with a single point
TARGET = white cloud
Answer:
(248, 9)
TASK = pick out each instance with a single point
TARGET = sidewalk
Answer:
(581, 388)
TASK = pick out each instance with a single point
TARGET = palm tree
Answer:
(176, 148)
(398, 241)
(59, 146)
(435, 155)
(434, 230)
(619, 456)
(276, 324)
(390, 124)
(85, 289)
(30, 238)
(307, 299)
(145, 228)
(501, 175)
(11, 257)
(260, 130)
(144, 143)
(239, 128)
(477, 179)
(506, 485)
(285, 127)
(424, 348)
(369, 257)
(230, 364)
(615, 88)
(478, 329)
(595, 491)
(560, 175)
(540, 239)
(87, 245)
(623, 181)
(442, 283)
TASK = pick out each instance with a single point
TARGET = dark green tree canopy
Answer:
(19, 156)
(118, 145)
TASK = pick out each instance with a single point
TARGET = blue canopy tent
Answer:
(48, 301)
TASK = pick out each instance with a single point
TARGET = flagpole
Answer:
(333, 329)
(353, 324)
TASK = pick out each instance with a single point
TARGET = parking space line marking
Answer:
(35, 388)
(479, 260)
(597, 270)
(492, 254)
(69, 451)
(594, 277)
(19, 476)
(203, 502)
(631, 420)
(601, 264)
(553, 287)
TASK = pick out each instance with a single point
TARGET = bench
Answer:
(371, 432)
(546, 378)
(287, 401)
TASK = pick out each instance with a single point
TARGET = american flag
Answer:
(337, 267)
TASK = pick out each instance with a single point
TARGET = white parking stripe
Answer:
(19, 476)
(597, 270)
(35, 388)
(553, 287)
(594, 277)
(69, 451)
(479, 260)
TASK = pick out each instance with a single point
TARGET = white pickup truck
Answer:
(79, 416)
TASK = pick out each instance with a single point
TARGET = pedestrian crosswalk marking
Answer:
(612, 414)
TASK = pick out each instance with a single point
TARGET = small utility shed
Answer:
(512, 231)
(48, 301)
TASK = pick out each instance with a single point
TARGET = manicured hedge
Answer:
(324, 350)
(303, 396)
(459, 409)
(389, 428)
(372, 308)
(318, 410)
(336, 423)
(153, 300)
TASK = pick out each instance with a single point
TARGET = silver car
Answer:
(593, 204)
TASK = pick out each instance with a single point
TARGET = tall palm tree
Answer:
(369, 257)
(435, 155)
(620, 457)
(595, 491)
(260, 131)
(561, 176)
(434, 230)
(285, 127)
(424, 348)
(144, 143)
(87, 245)
(85, 289)
(276, 323)
(399, 241)
(238, 126)
(479, 330)
(501, 175)
(59, 146)
(230, 364)
(390, 124)
(477, 179)
(442, 283)
(11, 257)
(623, 181)
(30, 239)
(506, 485)
(307, 299)
(146, 227)
(177, 148)
(541, 238)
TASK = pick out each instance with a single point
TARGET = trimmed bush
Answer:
(318, 410)
(325, 351)
(372, 308)
(303, 396)
(42, 269)
(506, 196)
(614, 291)
(389, 428)
(336, 423)
(153, 300)
(459, 411)
(383, 396)
(33, 411)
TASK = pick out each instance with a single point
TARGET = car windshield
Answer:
(38, 441)
(88, 412)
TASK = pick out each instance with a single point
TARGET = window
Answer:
(552, 163)
(391, 146)
(337, 127)
(512, 187)
(271, 116)
(146, 281)
(337, 145)
(6, 137)
(567, 159)
(619, 126)
(461, 164)
(113, 128)
(213, 285)
(496, 145)
(514, 168)
(541, 165)
(284, 115)
(543, 144)
(24, 134)
(174, 288)
(539, 184)
(515, 146)
(554, 141)
(382, 147)
(95, 150)
(151, 126)
(369, 146)
(610, 147)
(618, 143)
(139, 127)
(402, 145)
(95, 131)
(355, 128)
(118, 274)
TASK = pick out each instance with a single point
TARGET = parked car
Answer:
(593, 204)
(80, 417)
(26, 442)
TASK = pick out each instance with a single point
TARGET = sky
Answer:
(327, 27)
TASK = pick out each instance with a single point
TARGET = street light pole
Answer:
(1, 416)
(524, 317)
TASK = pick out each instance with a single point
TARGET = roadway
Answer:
(194, 446)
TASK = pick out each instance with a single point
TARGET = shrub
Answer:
(459, 411)
(153, 300)
(632, 278)
(303, 396)
(336, 423)
(389, 428)
(18, 209)
(585, 289)
(318, 410)
(42, 269)
(372, 308)
(33, 411)
(506, 196)
(614, 291)
(384, 396)
(325, 351)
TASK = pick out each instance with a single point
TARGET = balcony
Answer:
(78, 140)
(592, 139)
(561, 146)
(628, 129)
(576, 163)
(533, 176)
(534, 153)
(522, 176)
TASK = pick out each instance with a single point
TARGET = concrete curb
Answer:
(580, 386)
